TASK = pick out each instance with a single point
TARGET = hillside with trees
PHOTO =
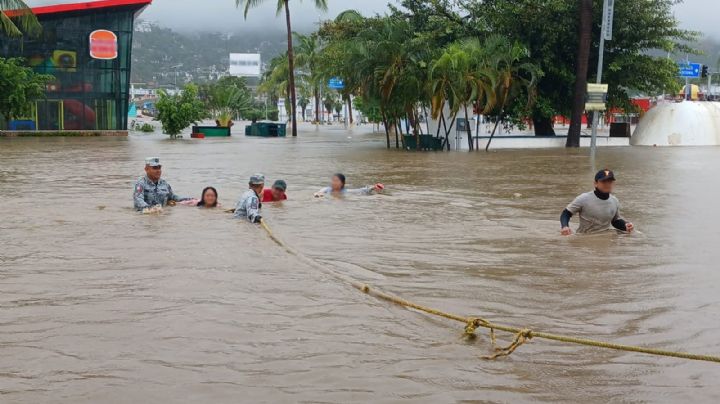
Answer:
(164, 56)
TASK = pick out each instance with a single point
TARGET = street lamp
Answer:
(176, 67)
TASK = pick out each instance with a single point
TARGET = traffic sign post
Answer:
(596, 97)
(608, 16)
(336, 83)
(690, 70)
(606, 34)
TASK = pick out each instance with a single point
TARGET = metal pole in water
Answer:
(606, 29)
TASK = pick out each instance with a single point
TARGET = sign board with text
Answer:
(690, 70)
(336, 83)
(596, 99)
(608, 16)
(245, 64)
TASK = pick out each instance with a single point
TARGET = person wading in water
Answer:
(599, 210)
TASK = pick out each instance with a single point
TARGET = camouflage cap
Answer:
(257, 179)
(153, 161)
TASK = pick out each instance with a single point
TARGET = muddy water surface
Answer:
(100, 304)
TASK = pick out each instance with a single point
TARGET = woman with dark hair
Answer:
(209, 198)
(337, 188)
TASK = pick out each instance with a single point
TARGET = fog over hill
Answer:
(184, 15)
(223, 16)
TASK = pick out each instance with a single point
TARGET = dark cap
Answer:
(280, 184)
(605, 175)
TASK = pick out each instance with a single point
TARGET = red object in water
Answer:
(267, 196)
(197, 135)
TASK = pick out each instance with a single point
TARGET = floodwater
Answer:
(99, 304)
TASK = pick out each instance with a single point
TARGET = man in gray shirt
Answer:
(598, 210)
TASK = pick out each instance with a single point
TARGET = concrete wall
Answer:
(65, 133)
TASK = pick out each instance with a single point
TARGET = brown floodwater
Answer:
(101, 304)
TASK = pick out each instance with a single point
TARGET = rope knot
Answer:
(365, 289)
(470, 327)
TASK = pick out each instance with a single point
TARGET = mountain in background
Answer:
(162, 56)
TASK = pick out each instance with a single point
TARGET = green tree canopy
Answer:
(20, 86)
(177, 112)
(17, 19)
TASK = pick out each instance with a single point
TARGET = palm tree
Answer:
(16, 18)
(275, 81)
(448, 86)
(303, 101)
(585, 8)
(514, 76)
(284, 4)
(307, 56)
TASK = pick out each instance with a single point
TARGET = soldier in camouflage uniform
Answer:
(249, 204)
(152, 191)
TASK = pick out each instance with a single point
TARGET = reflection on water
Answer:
(100, 304)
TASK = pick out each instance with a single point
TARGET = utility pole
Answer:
(688, 89)
(605, 34)
(708, 96)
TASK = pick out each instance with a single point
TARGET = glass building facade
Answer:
(87, 93)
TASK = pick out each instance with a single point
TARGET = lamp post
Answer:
(176, 67)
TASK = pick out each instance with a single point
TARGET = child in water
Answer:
(337, 188)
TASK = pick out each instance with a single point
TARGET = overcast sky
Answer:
(221, 15)
(701, 15)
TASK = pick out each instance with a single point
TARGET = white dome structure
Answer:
(685, 123)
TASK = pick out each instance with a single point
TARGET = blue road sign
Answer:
(336, 83)
(690, 70)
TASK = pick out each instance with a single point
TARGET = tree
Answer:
(329, 103)
(513, 76)
(177, 112)
(227, 98)
(20, 86)
(308, 55)
(275, 82)
(550, 30)
(303, 102)
(17, 18)
(585, 10)
(284, 4)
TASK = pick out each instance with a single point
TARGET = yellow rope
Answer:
(522, 335)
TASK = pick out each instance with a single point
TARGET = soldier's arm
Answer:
(175, 197)
(253, 210)
(139, 197)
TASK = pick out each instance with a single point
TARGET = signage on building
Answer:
(245, 64)
(103, 45)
